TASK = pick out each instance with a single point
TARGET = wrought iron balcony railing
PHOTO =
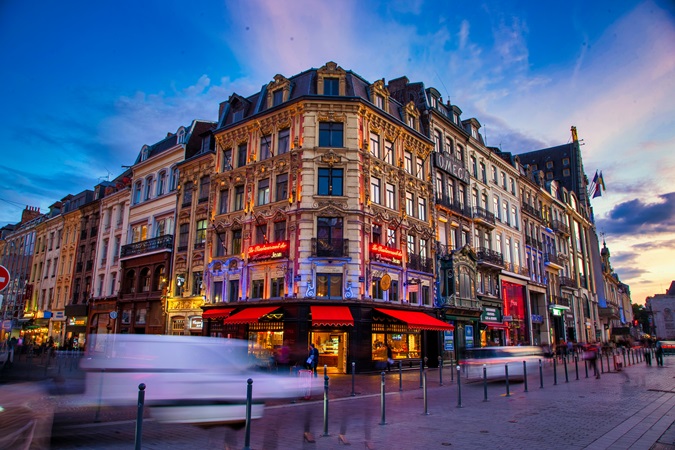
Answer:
(482, 214)
(420, 263)
(485, 255)
(330, 247)
(149, 245)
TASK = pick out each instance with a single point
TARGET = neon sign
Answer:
(272, 250)
(386, 254)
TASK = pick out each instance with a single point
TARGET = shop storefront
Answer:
(329, 333)
(515, 314)
(492, 329)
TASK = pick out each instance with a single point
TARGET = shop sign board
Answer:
(386, 254)
(468, 336)
(272, 250)
(449, 341)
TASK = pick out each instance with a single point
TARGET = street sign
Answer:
(4, 277)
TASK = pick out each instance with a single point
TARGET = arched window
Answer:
(175, 174)
(159, 279)
(161, 183)
(145, 279)
(130, 282)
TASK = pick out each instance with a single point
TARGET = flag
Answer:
(601, 181)
(598, 191)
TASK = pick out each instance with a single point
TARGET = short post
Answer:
(353, 378)
(400, 376)
(541, 376)
(325, 370)
(506, 374)
(426, 399)
(440, 370)
(485, 397)
(586, 367)
(382, 422)
(325, 402)
(421, 370)
(608, 370)
(567, 379)
(139, 415)
(249, 400)
(599, 357)
(525, 374)
(452, 372)
(623, 353)
(576, 365)
(459, 387)
(555, 372)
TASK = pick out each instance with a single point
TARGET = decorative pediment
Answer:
(332, 116)
(331, 158)
(331, 70)
(280, 83)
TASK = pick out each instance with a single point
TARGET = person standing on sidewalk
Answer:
(659, 354)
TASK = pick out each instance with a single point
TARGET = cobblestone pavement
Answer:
(630, 409)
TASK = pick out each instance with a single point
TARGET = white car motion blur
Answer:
(189, 379)
(495, 359)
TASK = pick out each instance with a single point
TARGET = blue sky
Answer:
(85, 85)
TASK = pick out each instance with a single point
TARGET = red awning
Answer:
(250, 314)
(416, 319)
(331, 315)
(217, 313)
(497, 325)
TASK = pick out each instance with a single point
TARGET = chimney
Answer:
(30, 213)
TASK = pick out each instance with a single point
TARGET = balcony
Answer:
(491, 257)
(420, 263)
(454, 206)
(560, 227)
(568, 282)
(149, 245)
(457, 302)
(483, 216)
(560, 301)
(330, 248)
(611, 312)
(513, 268)
(554, 260)
(532, 211)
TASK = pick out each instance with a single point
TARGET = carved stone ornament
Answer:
(330, 158)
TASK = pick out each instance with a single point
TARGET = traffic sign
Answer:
(4, 277)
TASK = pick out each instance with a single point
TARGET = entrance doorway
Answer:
(332, 350)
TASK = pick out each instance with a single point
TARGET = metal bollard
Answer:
(567, 379)
(525, 374)
(139, 416)
(249, 400)
(382, 422)
(485, 398)
(325, 370)
(506, 373)
(599, 357)
(576, 365)
(586, 367)
(608, 369)
(440, 370)
(353, 375)
(325, 402)
(623, 353)
(459, 388)
(452, 372)
(426, 399)
(555, 373)
(541, 376)
(421, 370)
(400, 376)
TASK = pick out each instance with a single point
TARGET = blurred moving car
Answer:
(668, 347)
(189, 379)
(495, 359)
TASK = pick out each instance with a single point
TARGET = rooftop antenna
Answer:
(447, 98)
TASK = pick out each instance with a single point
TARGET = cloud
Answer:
(635, 216)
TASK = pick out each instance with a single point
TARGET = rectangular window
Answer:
(279, 231)
(408, 162)
(265, 147)
(227, 160)
(409, 204)
(137, 193)
(233, 291)
(391, 237)
(426, 297)
(329, 285)
(204, 187)
(257, 289)
(330, 181)
(197, 278)
(411, 244)
(282, 187)
(375, 145)
(219, 245)
(420, 168)
(187, 193)
(422, 208)
(236, 242)
(504, 181)
(238, 198)
(389, 152)
(148, 188)
(283, 141)
(474, 167)
(183, 235)
(261, 233)
(393, 291)
(263, 191)
(200, 237)
(217, 292)
(161, 184)
(376, 291)
(505, 212)
(277, 287)
(242, 155)
(376, 234)
(277, 97)
(223, 201)
(375, 190)
(331, 86)
(330, 134)
(391, 196)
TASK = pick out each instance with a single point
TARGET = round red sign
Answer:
(4, 277)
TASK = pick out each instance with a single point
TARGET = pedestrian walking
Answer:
(313, 359)
(659, 354)
(591, 355)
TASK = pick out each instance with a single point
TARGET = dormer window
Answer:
(379, 101)
(277, 97)
(411, 122)
(331, 86)
(181, 136)
(144, 153)
(474, 133)
(237, 116)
